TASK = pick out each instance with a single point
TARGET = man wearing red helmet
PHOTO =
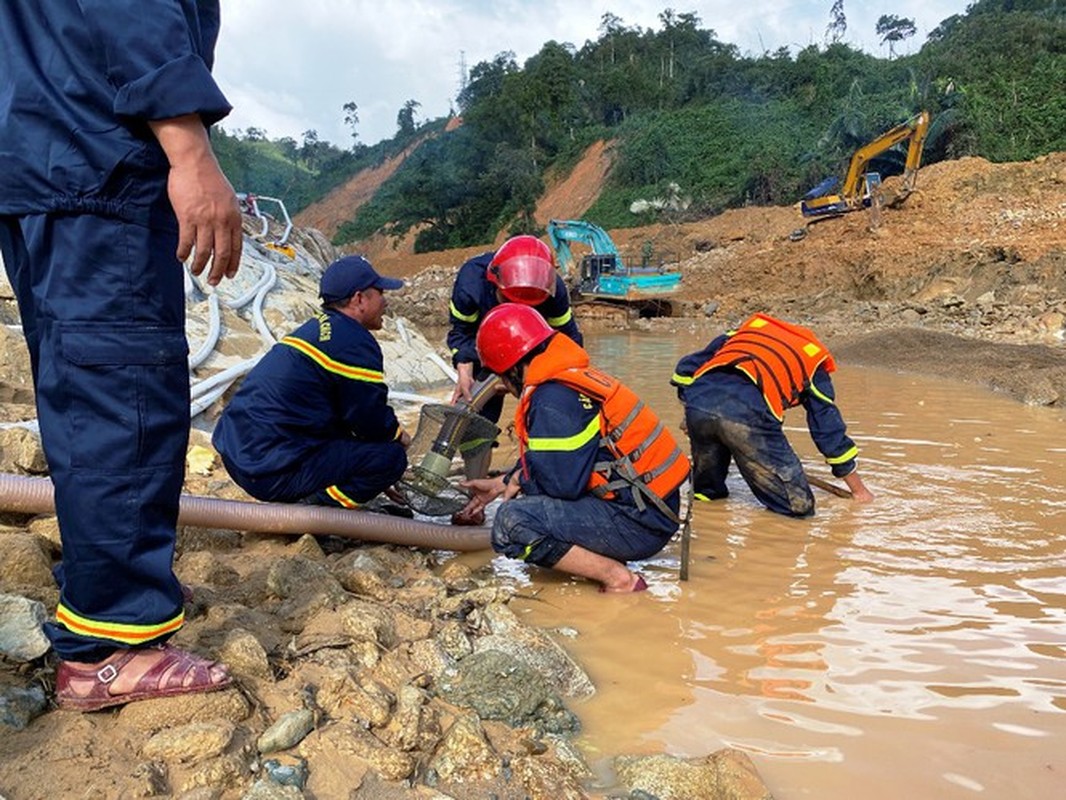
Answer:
(521, 271)
(599, 473)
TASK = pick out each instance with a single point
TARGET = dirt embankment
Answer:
(978, 251)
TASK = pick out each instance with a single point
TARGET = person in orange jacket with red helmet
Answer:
(598, 472)
(736, 391)
(521, 271)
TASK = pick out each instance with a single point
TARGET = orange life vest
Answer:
(779, 357)
(645, 456)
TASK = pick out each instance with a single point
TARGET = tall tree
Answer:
(894, 29)
(310, 149)
(610, 25)
(351, 119)
(838, 23)
(405, 119)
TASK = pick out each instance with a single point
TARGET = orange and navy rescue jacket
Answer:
(324, 381)
(581, 430)
(783, 364)
(778, 356)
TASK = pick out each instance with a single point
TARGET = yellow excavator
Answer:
(861, 186)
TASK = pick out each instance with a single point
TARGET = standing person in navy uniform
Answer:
(521, 271)
(736, 391)
(109, 183)
(311, 421)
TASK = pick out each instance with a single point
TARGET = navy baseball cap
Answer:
(351, 274)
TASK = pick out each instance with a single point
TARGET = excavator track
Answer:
(622, 310)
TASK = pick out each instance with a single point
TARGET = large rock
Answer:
(21, 635)
(464, 754)
(500, 687)
(150, 716)
(534, 648)
(23, 563)
(726, 774)
(21, 453)
(351, 741)
(18, 706)
(190, 744)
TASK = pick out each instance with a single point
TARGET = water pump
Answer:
(447, 432)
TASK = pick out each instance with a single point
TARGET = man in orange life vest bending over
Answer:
(736, 391)
(598, 472)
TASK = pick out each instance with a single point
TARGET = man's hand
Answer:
(859, 492)
(483, 491)
(464, 383)
(209, 219)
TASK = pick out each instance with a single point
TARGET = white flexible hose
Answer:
(243, 300)
(411, 397)
(204, 393)
(445, 367)
(226, 376)
(257, 307)
(213, 332)
(201, 404)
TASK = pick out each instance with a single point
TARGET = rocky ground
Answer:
(376, 671)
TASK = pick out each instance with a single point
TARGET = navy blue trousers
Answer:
(733, 423)
(103, 311)
(540, 530)
(344, 472)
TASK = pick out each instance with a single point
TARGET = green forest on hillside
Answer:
(692, 119)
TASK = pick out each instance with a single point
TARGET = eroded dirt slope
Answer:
(977, 251)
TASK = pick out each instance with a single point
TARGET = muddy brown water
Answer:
(914, 647)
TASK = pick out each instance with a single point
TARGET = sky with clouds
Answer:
(291, 66)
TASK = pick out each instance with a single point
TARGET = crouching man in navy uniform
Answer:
(598, 472)
(311, 421)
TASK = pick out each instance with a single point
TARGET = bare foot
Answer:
(634, 583)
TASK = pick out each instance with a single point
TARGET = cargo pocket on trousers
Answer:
(125, 389)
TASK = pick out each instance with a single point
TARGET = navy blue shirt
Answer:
(322, 382)
(473, 296)
(824, 420)
(79, 80)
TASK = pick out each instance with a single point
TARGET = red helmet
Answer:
(522, 269)
(507, 333)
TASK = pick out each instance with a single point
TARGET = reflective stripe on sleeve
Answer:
(814, 390)
(682, 380)
(562, 319)
(331, 365)
(459, 315)
(567, 443)
(847, 456)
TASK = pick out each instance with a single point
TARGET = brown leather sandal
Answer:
(177, 672)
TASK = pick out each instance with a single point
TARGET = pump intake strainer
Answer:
(445, 434)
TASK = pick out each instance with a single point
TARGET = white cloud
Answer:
(288, 67)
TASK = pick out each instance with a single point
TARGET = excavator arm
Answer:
(853, 191)
(563, 231)
(914, 129)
